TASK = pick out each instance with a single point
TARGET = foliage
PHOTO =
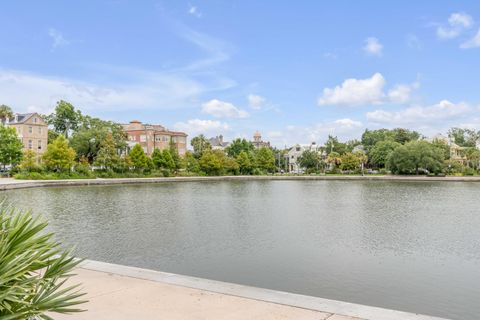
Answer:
(5, 112)
(265, 159)
(33, 269)
(177, 160)
(310, 160)
(107, 156)
(211, 162)
(200, 144)
(65, 118)
(191, 163)
(239, 145)
(245, 162)
(381, 151)
(10, 147)
(29, 161)
(59, 155)
(464, 137)
(139, 158)
(334, 159)
(333, 145)
(163, 159)
(416, 155)
(350, 161)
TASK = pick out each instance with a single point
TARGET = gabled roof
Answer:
(20, 118)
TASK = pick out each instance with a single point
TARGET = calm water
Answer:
(407, 246)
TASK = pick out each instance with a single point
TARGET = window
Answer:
(143, 138)
(39, 144)
(158, 138)
(40, 130)
(30, 144)
(174, 139)
(35, 120)
(30, 129)
(132, 138)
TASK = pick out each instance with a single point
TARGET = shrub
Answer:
(33, 269)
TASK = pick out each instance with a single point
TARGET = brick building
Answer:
(154, 136)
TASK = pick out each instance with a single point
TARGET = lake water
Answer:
(412, 246)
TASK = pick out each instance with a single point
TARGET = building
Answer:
(258, 142)
(296, 152)
(456, 152)
(217, 143)
(31, 129)
(154, 136)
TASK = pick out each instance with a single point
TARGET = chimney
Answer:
(16, 117)
(220, 138)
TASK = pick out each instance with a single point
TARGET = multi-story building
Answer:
(258, 142)
(154, 136)
(31, 129)
(296, 152)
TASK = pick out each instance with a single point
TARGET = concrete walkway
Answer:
(121, 292)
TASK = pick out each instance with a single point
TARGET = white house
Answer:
(295, 152)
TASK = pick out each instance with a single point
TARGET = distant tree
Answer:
(177, 160)
(473, 157)
(334, 159)
(139, 158)
(5, 112)
(107, 156)
(59, 156)
(403, 136)
(333, 145)
(464, 137)
(211, 162)
(200, 144)
(65, 118)
(443, 146)
(239, 145)
(310, 160)
(350, 161)
(265, 159)
(29, 161)
(416, 155)
(371, 137)
(10, 147)
(191, 163)
(381, 151)
(245, 162)
(231, 165)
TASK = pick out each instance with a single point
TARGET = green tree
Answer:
(464, 137)
(473, 157)
(200, 144)
(107, 156)
(59, 156)
(381, 151)
(245, 162)
(191, 163)
(5, 112)
(403, 136)
(10, 147)
(333, 145)
(334, 159)
(139, 158)
(177, 160)
(310, 160)
(65, 118)
(157, 158)
(350, 161)
(416, 155)
(29, 161)
(33, 269)
(265, 159)
(239, 145)
(211, 162)
(371, 137)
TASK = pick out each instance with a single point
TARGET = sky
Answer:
(295, 71)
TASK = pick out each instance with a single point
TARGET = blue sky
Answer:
(296, 71)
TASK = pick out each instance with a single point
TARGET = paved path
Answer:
(120, 292)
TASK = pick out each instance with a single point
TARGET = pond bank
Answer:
(121, 292)
(9, 183)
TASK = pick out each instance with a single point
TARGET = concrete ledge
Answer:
(9, 184)
(266, 295)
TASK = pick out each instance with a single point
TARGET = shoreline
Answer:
(11, 183)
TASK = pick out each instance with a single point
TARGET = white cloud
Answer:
(255, 101)
(355, 92)
(222, 109)
(373, 47)
(193, 10)
(348, 123)
(195, 127)
(421, 117)
(57, 38)
(457, 23)
(472, 43)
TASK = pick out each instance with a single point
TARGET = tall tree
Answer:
(265, 159)
(107, 156)
(333, 145)
(310, 160)
(211, 162)
(10, 147)
(139, 158)
(464, 137)
(65, 118)
(200, 144)
(239, 145)
(416, 155)
(381, 151)
(59, 156)
(5, 112)
(245, 162)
